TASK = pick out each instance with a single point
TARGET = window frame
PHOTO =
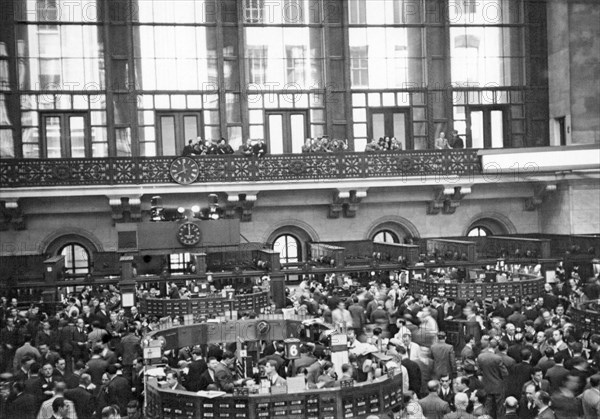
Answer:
(65, 136)
(73, 270)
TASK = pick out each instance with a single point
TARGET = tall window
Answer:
(486, 42)
(175, 129)
(68, 135)
(359, 66)
(295, 64)
(257, 64)
(288, 247)
(178, 262)
(386, 236)
(77, 259)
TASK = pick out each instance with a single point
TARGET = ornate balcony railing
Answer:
(235, 168)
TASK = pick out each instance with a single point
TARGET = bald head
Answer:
(461, 400)
(433, 386)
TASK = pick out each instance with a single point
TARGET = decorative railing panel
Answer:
(151, 170)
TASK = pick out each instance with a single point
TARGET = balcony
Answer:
(234, 168)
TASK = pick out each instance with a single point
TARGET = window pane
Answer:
(53, 145)
(378, 125)
(7, 145)
(123, 136)
(167, 130)
(400, 128)
(77, 136)
(190, 127)
(477, 129)
(298, 131)
(275, 134)
(497, 121)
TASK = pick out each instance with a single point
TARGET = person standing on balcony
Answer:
(188, 150)
(441, 143)
(457, 141)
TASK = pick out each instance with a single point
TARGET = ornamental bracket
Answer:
(540, 192)
(447, 199)
(125, 208)
(11, 214)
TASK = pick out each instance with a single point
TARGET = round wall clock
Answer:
(184, 170)
(189, 234)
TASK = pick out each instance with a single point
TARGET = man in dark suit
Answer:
(80, 349)
(413, 370)
(445, 392)
(493, 372)
(97, 366)
(433, 406)
(527, 407)
(195, 370)
(72, 380)
(542, 401)
(520, 375)
(315, 370)
(208, 380)
(173, 381)
(82, 399)
(118, 390)
(444, 361)
(510, 406)
(20, 404)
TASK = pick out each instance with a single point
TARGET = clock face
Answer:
(188, 234)
(184, 170)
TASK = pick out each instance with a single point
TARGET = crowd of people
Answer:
(523, 359)
(258, 148)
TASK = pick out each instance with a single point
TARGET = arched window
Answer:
(478, 231)
(288, 247)
(386, 236)
(77, 259)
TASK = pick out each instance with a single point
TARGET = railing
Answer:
(528, 286)
(360, 401)
(586, 316)
(234, 168)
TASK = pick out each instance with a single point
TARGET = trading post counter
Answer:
(210, 305)
(527, 287)
(363, 399)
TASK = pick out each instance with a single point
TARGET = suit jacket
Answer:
(555, 376)
(195, 371)
(493, 371)
(524, 411)
(444, 362)
(546, 414)
(95, 368)
(118, 391)
(467, 352)
(434, 407)
(130, 348)
(224, 378)
(520, 375)
(314, 372)
(414, 375)
(591, 403)
(459, 415)
(22, 406)
(206, 380)
(448, 398)
(83, 400)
